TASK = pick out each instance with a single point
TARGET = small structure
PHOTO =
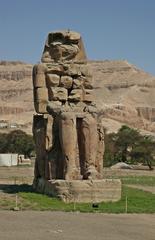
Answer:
(8, 159)
(3, 124)
(68, 133)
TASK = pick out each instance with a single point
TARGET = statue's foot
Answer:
(73, 174)
(91, 173)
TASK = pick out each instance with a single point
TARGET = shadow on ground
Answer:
(12, 189)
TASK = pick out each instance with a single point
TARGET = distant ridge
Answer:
(124, 93)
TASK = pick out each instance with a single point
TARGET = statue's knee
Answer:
(89, 121)
(67, 116)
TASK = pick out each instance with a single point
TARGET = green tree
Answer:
(128, 145)
(144, 151)
(126, 139)
(110, 149)
(17, 142)
(3, 142)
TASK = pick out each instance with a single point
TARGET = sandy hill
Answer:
(125, 92)
(16, 106)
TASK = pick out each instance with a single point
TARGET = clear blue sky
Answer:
(111, 29)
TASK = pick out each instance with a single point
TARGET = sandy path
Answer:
(30, 225)
(144, 188)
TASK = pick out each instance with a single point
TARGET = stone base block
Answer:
(105, 190)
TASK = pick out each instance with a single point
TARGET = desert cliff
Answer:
(124, 93)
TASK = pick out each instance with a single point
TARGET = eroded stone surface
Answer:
(66, 82)
(73, 147)
(83, 191)
(63, 45)
(57, 94)
(52, 80)
(68, 132)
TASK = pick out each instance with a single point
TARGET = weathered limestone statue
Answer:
(67, 130)
(68, 124)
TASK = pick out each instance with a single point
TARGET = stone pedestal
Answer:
(84, 191)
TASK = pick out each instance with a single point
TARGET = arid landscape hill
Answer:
(124, 92)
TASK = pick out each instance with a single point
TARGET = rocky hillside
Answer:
(125, 92)
(16, 107)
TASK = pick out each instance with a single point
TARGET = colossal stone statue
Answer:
(68, 135)
(67, 128)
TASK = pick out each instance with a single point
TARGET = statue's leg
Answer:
(39, 133)
(68, 140)
(89, 136)
(100, 150)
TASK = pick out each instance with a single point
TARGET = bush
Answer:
(129, 146)
(17, 142)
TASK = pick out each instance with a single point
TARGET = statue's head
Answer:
(63, 46)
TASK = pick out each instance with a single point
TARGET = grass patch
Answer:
(6, 204)
(141, 180)
(138, 201)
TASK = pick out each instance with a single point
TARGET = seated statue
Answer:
(67, 130)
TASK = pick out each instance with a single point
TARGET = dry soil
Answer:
(31, 225)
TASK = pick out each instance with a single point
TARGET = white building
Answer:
(8, 159)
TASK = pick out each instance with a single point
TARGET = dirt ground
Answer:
(28, 172)
(47, 225)
(24, 175)
(68, 226)
(9, 172)
(16, 175)
(107, 172)
(144, 188)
